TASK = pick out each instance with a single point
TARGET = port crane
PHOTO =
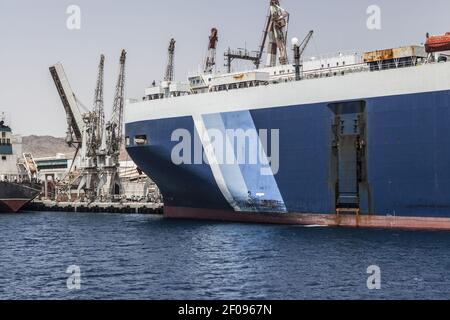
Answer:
(98, 143)
(109, 182)
(212, 46)
(99, 110)
(75, 123)
(93, 137)
(85, 131)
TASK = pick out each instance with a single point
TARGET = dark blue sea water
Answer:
(147, 257)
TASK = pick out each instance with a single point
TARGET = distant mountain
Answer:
(48, 146)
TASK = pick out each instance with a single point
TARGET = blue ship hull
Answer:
(380, 162)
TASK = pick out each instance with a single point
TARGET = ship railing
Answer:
(363, 67)
(333, 55)
(333, 72)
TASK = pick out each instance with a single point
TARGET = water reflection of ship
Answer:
(256, 203)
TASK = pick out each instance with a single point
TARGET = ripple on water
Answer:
(144, 257)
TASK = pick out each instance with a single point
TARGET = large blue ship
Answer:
(343, 140)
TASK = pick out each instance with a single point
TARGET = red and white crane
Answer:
(212, 46)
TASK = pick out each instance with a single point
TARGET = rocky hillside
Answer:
(48, 146)
(45, 146)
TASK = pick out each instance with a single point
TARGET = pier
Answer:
(100, 207)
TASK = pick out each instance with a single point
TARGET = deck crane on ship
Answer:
(274, 36)
(299, 49)
(276, 31)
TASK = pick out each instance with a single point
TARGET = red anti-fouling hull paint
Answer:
(331, 220)
(12, 205)
(13, 196)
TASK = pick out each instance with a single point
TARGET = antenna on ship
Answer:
(240, 54)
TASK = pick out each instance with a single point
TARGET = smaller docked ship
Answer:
(16, 188)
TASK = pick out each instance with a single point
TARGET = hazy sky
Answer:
(34, 35)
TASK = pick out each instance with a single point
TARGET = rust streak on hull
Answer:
(331, 220)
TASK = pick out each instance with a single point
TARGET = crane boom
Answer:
(114, 127)
(99, 110)
(74, 118)
(94, 121)
(305, 42)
